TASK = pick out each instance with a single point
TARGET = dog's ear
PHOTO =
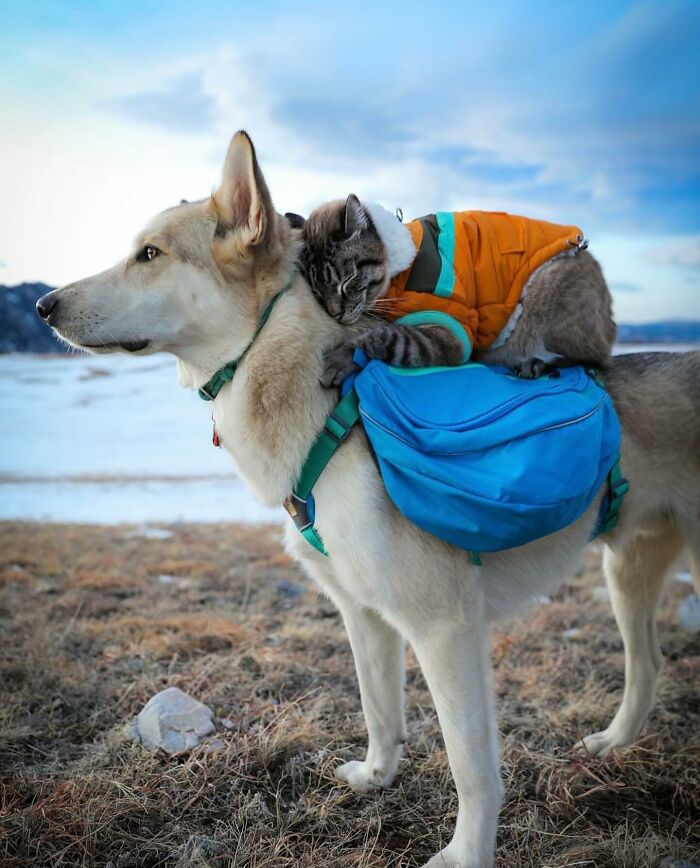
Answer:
(243, 203)
(355, 217)
(296, 221)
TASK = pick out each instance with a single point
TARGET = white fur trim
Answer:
(395, 236)
(509, 327)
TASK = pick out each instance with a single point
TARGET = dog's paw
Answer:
(362, 776)
(447, 858)
(601, 743)
(337, 365)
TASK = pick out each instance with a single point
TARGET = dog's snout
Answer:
(46, 305)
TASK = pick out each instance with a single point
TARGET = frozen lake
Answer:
(111, 439)
(114, 439)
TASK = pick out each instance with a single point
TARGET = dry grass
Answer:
(90, 632)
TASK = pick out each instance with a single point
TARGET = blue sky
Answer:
(580, 113)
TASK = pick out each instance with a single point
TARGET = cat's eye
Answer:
(148, 253)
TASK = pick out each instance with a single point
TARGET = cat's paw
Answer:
(533, 368)
(338, 364)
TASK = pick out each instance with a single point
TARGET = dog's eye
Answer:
(148, 253)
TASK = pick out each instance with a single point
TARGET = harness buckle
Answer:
(298, 511)
(205, 394)
(342, 424)
(619, 488)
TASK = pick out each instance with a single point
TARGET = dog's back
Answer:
(657, 397)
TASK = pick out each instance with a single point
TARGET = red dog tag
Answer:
(215, 438)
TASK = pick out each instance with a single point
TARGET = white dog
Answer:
(195, 285)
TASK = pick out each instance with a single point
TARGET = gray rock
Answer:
(171, 721)
(203, 852)
(677, 863)
(684, 576)
(600, 594)
(290, 590)
(177, 581)
(689, 614)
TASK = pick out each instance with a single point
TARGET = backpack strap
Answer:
(609, 512)
(336, 429)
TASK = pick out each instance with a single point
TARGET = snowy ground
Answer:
(90, 439)
(112, 439)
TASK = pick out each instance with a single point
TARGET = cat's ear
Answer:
(355, 217)
(296, 221)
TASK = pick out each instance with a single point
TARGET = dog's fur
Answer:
(223, 259)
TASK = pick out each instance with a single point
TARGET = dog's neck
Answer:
(196, 365)
(268, 417)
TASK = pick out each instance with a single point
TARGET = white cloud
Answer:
(180, 105)
(78, 184)
(684, 252)
(663, 292)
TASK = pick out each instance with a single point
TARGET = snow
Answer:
(621, 349)
(114, 439)
(111, 439)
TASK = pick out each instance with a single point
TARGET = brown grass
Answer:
(90, 632)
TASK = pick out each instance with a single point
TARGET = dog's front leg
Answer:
(379, 660)
(454, 656)
(378, 650)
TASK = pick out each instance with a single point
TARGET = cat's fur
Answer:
(350, 254)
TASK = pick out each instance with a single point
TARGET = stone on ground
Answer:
(689, 614)
(200, 851)
(172, 721)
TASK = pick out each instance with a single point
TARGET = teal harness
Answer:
(337, 428)
(227, 372)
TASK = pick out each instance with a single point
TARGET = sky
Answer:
(577, 113)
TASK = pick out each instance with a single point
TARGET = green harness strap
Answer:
(618, 487)
(227, 372)
(336, 429)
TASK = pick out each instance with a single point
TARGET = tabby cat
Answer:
(361, 261)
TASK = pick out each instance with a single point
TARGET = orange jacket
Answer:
(473, 265)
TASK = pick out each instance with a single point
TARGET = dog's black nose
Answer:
(46, 304)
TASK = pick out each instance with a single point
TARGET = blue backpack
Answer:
(483, 459)
(475, 455)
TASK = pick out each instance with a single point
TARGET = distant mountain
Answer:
(674, 331)
(21, 330)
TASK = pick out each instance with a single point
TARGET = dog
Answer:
(195, 285)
